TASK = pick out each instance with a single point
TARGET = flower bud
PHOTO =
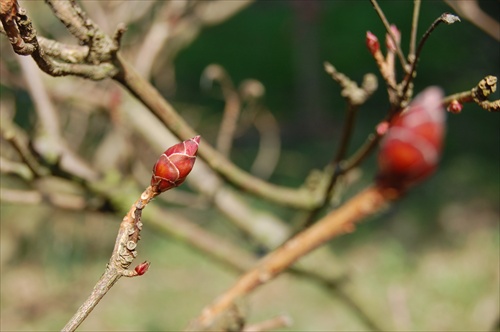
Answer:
(142, 268)
(173, 166)
(372, 43)
(388, 40)
(455, 107)
(410, 150)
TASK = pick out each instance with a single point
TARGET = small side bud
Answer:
(174, 165)
(455, 107)
(382, 128)
(372, 43)
(142, 268)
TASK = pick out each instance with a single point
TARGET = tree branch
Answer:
(123, 254)
(337, 222)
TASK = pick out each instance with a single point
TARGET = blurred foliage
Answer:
(428, 263)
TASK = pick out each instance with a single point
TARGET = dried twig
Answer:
(387, 26)
(414, 29)
(232, 108)
(444, 18)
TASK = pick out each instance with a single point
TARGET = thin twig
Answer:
(232, 108)
(270, 324)
(51, 143)
(444, 18)
(123, 254)
(387, 26)
(414, 29)
(269, 144)
(337, 222)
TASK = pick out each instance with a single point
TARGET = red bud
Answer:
(455, 107)
(411, 148)
(372, 43)
(142, 268)
(388, 40)
(173, 166)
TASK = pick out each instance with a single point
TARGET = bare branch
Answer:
(270, 324)
(64, 201)
(414, 29)
(444, 18)
(122, 257)
(478, 94)
(338, 222)
(391, 34)
(470, 10)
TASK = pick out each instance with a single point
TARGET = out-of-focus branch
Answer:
(414, 29)
(265, 228)
(64, 201)
(355, 96)
(270, 324)
(478, 94)
(51, 144)
(19, 169)
(269, 145)
(337, 222)
(232, 108)
(124, 73)
(149, 96)
(470, 10)
(20, 142)
(407, 82)
(387, 26)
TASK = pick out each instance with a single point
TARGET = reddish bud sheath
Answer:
(411, 148)
(372, 43)
(142, 268)
(173, 166)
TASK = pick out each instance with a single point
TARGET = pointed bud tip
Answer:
(372, 42)
(142, 268)
(174, 165)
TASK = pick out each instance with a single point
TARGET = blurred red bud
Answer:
(142, 268)
(455, 107)
(388, 40)
(372, 43)
(410, 150)
(382, 128)
(173, 166)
